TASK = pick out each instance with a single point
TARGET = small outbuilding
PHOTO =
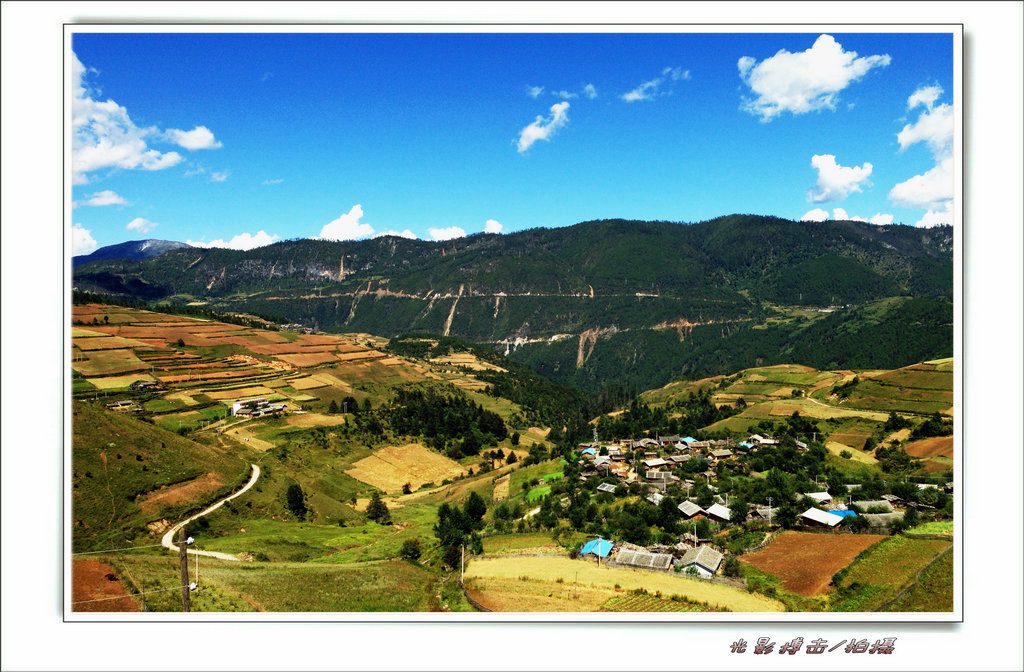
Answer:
(819, 518)
(706, 559)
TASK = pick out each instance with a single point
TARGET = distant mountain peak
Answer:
(131, 249)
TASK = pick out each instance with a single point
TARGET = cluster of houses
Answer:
(687, 556)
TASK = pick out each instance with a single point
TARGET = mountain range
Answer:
(609, 302)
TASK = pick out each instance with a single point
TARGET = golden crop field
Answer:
(586, 573)
(391, 467)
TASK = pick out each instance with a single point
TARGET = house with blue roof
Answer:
(599, 547)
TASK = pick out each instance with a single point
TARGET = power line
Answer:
(121, 597)
(111, 550)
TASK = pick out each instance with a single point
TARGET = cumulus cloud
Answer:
(492, 226)
(836, 182)
(804, 81)
(447, 233)
(933, 190)
(940, 217)
(347, 226)
(881, 219)
(534, 91)
(816, 215)
(543, 128)
(399, 234)
(651, 89)
(839, 214)
(105, 137)
(243, 241)
(141, 225)
(101, 198)
(82, 241)
(590, 91)
(220, 176)
(199, 137)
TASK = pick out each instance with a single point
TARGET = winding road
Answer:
(168, 539)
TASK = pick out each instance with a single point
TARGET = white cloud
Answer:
(805, 81)
(649, 90)
(933, 190)
(492, 226)
(565, 94)
(940, 217)
(81, 240)
(101, 198)
(199, 137)
(141, 225)
(881, 219)
(347, 226)
(926, 95)
(816, 215)
(104, 136)
(590, 91)
(543, 129)
(243, 241)
(836, 182)
(934, 126)
(534, 91)
(220, 176)
(839, 214)
(399, 234)
(447, 233)
(278, 181)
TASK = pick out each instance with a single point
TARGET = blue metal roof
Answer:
(601, 547)
(844, 514)
(746, 445)
(688, 439)
(591, 451)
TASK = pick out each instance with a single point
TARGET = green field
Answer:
(504, 543)
(933, 592)
(878, 575)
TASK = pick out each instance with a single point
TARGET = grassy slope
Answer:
(115, 459)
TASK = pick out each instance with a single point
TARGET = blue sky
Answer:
(243, 139)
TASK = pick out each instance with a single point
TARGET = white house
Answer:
(706, 559)
(815, 516)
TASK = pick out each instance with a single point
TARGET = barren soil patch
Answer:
(805, 562)
(183, 492)
(93, 580)
(939, 446)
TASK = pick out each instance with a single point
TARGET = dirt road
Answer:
(168, 539)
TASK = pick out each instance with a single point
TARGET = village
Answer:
(671, 469)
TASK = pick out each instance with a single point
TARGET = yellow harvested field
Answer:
(815, 409)
(392, 361)
(79, 332)
(391, 467)
(207, 375)
(756, 378)
(512, 595)
(360, 355)
(102, 362)
(239, 393)
(783, 392)
(501, 488)
(901, 435)
(107, 343)
(858, 455)
(115, 382)
(333, 381)
(785, 409)
(307, 383)
(182, 397)
(467, 360)
(314, 420)
(469, 383)
(312, 359)
(587, 574)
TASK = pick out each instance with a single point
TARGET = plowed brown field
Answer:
(93, 580)
(805, 562)
(939, 446)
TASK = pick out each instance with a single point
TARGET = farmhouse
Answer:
(819, 497)
(721, 454)
(706, 559)
(668, 440)
(643, 559)
(143, 384)
(719, 513)
(818, 518)
(689, 509)
(122, 406)
(655, 498)
(606, 487)
(255, 407)
(679, 458)
(801, 445)
(656, 462)
(866, 505)
(599, 547)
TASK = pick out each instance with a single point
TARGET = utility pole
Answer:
(183, 564)
(769, 512)
(462, 565)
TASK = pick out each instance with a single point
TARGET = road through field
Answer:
(168, 538)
